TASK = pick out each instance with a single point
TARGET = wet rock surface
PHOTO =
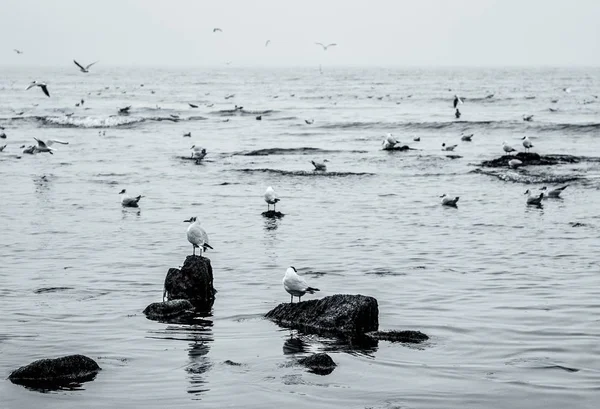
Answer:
(193, 282)
(63, 372)
(320, 364)
(166, 310)
(531, 159)
(411, 337)
(272, 214)
(340, 315)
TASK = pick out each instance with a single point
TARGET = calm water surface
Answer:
(508, 294)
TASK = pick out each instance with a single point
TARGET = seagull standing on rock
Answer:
(389, 142)
(197, 236)
(527, 143)
(271, 198)
(295, 285)
(507, 148)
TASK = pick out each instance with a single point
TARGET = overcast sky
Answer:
(368, 32)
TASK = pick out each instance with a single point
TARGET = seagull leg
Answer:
(291, 299)
(194, 247)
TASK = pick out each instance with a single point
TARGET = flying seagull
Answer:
(267, 43)
(46, 146)
(82, 68)
(217, 29)
(18, 51)
(325, 47)
(42, 85)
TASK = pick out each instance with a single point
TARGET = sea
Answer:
(507, 293)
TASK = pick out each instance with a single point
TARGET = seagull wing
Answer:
(33, 84)
(41, 143)
(45, 89)
(267, 43)
(321, 44)
(87, 67)
(330, 45)
(79, 65)
(50, 142)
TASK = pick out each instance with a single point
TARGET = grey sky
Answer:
(374, 32)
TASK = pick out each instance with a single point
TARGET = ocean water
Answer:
(507, 293)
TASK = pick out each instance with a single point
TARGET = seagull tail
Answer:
(312, 290)
(456, 199)
(206, 245)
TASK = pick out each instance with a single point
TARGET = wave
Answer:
(517, 177)
(589, 127)
(290, 151)
(242, 112)
(304, 172)
(113, 121)
(408, 125)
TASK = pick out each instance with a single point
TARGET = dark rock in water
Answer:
(321, 364)
(231, 363)
(194, 282)
(577, 224)
(412, 337)
(273, 214)
(56, 373)
(401, 148)
(454, 156)
(337, 315)
(165, 310)
(530, 159)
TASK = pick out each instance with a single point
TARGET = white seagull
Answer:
(198, 152)
(527, 143)
(507, 148)
(554, 193)
(296, 285)
(42, 85)
(449, 147)
(534, 200)
(325, 47)
(389, 142)
(267, 43)
(448, 201)
(86, 68)
(45, 146)
(271, 198)
(197, 236)
(320, 165)
(128, 201)
(457, 101)
(514, 163)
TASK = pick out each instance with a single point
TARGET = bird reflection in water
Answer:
(199, 361)
(294, 345)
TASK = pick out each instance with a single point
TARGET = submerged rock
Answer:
(160, 311)
(320, 364)
(56, 373)
(338, 315)
(412, 337)
(194, 282)
(273, 214)
(530, 159)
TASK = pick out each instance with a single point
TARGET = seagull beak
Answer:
(187, 221)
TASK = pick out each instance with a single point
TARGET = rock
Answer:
(231, 363)
(160, 311)
(412, 337)
(321, 364)
(194, 282)
(530, 159)
(339, 315)
(56, 373)
(272, 214)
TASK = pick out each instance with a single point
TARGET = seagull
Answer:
(217, 29)
(417, 139)
(309, 121)
(514, 163)
(42, 85)
(449, 147)
(527, 143)
(389, 142)
(267, 43)
(124, 111)
(489, 96)
(271, 198)
(18, 51)
(45, 146)
(553, 109)
(534, 200)
(259, 118)
(86, 68)
(457, 114)
(507, 148)
(192, 105)
(197, 236)
(320, 165)
(466, 138)
(198, 153)
(128, 201)
(555, 193)
(325, 47)
(567, 90)
(2, 135)
(2, 148)
(528, 118)
(448, 201)
(296, 285)
(187, 135)
(457, 101)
